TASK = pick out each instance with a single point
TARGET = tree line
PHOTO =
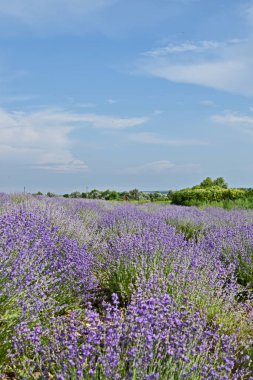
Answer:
(207, 192)
(112, 195)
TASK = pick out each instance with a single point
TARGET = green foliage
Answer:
(50, 195)
(94, 194)
(245, 271)
(123, 276)
(200, 196)
(156, 196)
(75, 194)
(18, 198)
(135, 194)
(9, 318)
(208, 193)
(120, 279)
(220, 182)
(208, 182)
(241, 203)
(110, 195)
(169, 195)
(190, 230)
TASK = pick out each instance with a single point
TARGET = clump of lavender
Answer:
(176, 313)
(152, 339)
(41, 271)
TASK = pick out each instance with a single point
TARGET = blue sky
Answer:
(153, 94)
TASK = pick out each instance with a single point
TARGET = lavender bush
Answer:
(99, 290)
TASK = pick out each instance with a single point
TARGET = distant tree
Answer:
(75, 194)
(207, 182)
(135, 194)
(94, 194)
(169, 194)
(51, 195)
(124, 195)
(144, 196)
(109, 195)
(220, 182)
(39, 193)
(156, 196)
(112, 195)
(66, 195)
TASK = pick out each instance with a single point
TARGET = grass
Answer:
(244, 272)
(241, 203)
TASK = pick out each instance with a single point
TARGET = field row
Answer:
(100, 290)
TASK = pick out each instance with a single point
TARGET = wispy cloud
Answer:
(52, 116)
(222, 65)
(153, 138)
(241, 123)
(17, 98)
(111, 101)
(157, 167)
(43, 139)
(110, 122)
(188, 46)
(232, 119)
(157, 112)
(73, 166)
(154, 167)
(28, 139)
(207, 103)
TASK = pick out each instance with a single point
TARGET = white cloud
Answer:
(232, 119)
(157, 112)
(222, 65)
(110, 122)
(227, 75)
(154, 167)
(42, 138)
(188, 46)
(73, 166)
(241, 123)
(157, 167)
(17, 98)
(153, 138)
(207, 103)
(51, 116)
(111, 101)
(30, 139)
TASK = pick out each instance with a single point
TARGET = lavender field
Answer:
(100, 290)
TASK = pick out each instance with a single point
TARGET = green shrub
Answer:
(245, 271)
(199, 196)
